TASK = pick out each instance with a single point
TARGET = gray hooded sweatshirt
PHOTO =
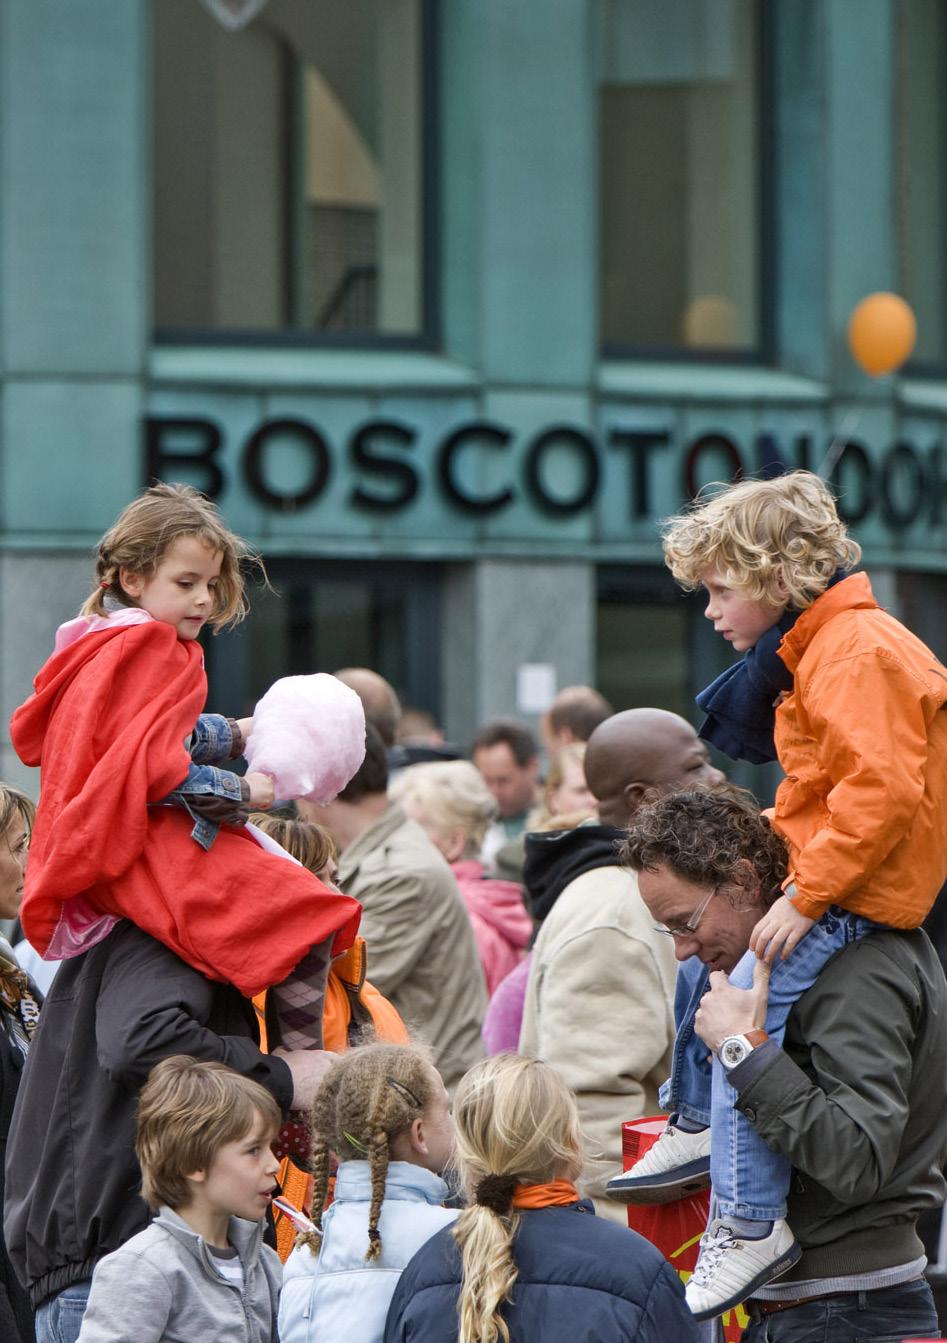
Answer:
(162, 1287)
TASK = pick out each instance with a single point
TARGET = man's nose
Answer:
(685, 948)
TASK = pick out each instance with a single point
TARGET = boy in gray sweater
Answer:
(200, 1272)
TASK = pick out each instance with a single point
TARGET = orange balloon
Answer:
(881, 333)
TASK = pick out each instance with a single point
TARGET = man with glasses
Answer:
(601, 979)
(855, 1097)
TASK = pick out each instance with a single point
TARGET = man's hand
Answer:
(725, 1010)
(262, 795)
(308, 1067)
(780, 930)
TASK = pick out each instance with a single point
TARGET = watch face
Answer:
(732, 1052)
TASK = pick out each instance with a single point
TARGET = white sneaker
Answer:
(729, 1269)
(676, 1165)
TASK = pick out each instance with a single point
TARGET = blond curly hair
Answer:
(767, 538)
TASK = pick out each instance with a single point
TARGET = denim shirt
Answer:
(211, 741)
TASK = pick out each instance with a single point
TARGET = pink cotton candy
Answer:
(308, 736)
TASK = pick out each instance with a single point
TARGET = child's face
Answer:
(181, 590)
(240, 1181)
(740, 620)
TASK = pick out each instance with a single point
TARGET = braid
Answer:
(368, 1096)
(379, 1168)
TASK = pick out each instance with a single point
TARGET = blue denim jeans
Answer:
(60, 1319)
(886, 1315)
(749, 1179)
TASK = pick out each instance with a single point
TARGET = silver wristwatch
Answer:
(735, 1048)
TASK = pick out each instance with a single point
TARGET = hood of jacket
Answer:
(555, 858)
(403, 1181)
(499, 903)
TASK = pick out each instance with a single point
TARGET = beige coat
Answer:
(421, 948)
(599, 1008)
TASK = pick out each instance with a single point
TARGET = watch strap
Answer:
(757, 1038)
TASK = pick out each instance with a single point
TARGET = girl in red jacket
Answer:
(137, 819)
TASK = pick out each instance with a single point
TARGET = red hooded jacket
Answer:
(108, 722)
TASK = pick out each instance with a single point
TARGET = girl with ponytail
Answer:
(527, 1259)
(383, 1113)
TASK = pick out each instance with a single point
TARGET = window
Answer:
(320, 615)
(289, 166)
(681, 194)
(920, 145)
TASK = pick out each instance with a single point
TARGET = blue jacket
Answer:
(579, 1277)
(340, 1296)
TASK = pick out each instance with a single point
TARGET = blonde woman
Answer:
(527, 1259)
(451, 802)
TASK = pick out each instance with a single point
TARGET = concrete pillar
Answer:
(499, 614)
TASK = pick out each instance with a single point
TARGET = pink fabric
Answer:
(74, 629)
(504, 1017)
(500, 922)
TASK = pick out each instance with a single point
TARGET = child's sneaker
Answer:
(731, 1267)
(676, 1165)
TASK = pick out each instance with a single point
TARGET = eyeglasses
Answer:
(689, 927)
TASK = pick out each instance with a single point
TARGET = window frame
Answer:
(764, 352)
(429, 337)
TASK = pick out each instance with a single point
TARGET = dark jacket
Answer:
(111, 1015)
(16, 1317)
(578, 1278)
(857, 1101)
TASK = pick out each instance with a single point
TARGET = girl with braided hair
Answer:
(383, 1112)
(528, 1259)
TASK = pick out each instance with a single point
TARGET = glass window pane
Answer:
(920, 143)
(679, 149)
(288, 185)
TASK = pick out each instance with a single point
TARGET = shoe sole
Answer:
(667, 1188)
(776, 1270)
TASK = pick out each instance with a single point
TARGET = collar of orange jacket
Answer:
(852, 593)
(552, 1194)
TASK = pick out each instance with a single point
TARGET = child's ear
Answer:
(197, 1176)
(417, 1138)
(131, 582)
(780, 591)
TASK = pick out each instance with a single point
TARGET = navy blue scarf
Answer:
(741, 704)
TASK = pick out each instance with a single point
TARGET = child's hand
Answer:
(246, 727)
(262, 795)
(780, 930)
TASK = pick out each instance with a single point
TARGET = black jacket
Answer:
(857, 1101)
(72, 1180)
(16, 1317)
(578, 1278)
(554, 858)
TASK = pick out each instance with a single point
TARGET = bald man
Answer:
(599, 1000)
(381, 704)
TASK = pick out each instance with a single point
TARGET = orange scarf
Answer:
(553, 1194)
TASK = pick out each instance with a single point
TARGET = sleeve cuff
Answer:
(753, 1066)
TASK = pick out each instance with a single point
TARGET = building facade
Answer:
(449, 302)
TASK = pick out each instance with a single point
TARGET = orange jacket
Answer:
(863, 742)
(351, 1003)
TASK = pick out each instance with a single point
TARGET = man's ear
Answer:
(634, 794)
(131, 583)
(747, 879)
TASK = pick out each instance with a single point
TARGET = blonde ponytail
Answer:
(517, 1123)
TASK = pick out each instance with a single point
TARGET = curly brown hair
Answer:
(704, 835)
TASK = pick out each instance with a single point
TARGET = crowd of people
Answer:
(363, 1064)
